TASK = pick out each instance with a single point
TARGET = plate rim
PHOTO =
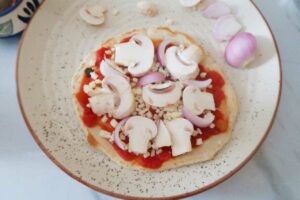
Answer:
(179, 196)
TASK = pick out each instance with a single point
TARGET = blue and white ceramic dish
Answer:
(14, 19)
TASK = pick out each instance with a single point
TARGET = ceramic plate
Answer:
(51, 51)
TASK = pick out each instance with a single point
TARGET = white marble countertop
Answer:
(26, 173)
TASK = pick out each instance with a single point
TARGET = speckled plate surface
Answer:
(51, 51)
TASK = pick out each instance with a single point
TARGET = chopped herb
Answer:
(88, 71)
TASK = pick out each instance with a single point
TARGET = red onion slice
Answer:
(216, 10)
(198, 84)
(198, 121)
(116, 134)
(226, 27)
(152, 77)
(161, 53)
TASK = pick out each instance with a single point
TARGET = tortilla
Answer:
(204, 152)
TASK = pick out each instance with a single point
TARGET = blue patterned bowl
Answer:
(14, 19)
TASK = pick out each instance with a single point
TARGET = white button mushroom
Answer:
(163, 138)
(163, 94)
(181, 131)
(93, 91)
(93, 14)
(103, 102)
(147, 8)
(124, 105)
(108, 68)
(137, 54)
(179, 68)
(197, 101)
(191, 54)
(189, 3)
(140, 131)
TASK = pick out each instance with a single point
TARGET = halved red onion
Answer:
(152, 77)
(116, 134)
(107, 68)
(241, 50)
(217, 10)
(198, 84)
(198, 121)
(226, 27)
(162, 51)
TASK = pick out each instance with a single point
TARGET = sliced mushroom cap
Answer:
(178, 68)
(140, 131)
(94, 91)
(108, 68)
(95, 9)
(189, 3)
(92, 14)
(103, 102)
(137, 54)
(147, 8)
(124, 106)
(163, 138)
(191, 54)
(181, 131)
(163, 94)
(197, 101)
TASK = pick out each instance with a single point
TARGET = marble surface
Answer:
(26, 173)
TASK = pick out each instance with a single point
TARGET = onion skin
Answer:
(198, 121)
(152, 77)
(226, 27)
(216, 10)
(116, 134)
(241, 50)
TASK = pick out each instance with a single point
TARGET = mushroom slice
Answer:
(197, 101)
(95, 9)
(189, 3)
(163, 94)
(163, 87)
(181, 131)
(140, 131)
(163, 138)
(179, 68)
(92, 14)
(191, 54)
(137, 54)
(103, 102)
(108, 68)
(147, 8)
(124, 105)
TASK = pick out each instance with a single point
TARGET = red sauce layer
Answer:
(91, 120)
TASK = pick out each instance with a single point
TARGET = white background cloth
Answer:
(274, 173)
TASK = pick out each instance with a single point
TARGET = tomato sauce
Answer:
(220, 122)
(124, 154)
(125, 40)
(155, 162)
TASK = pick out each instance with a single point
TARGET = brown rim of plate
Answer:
(217, 182)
